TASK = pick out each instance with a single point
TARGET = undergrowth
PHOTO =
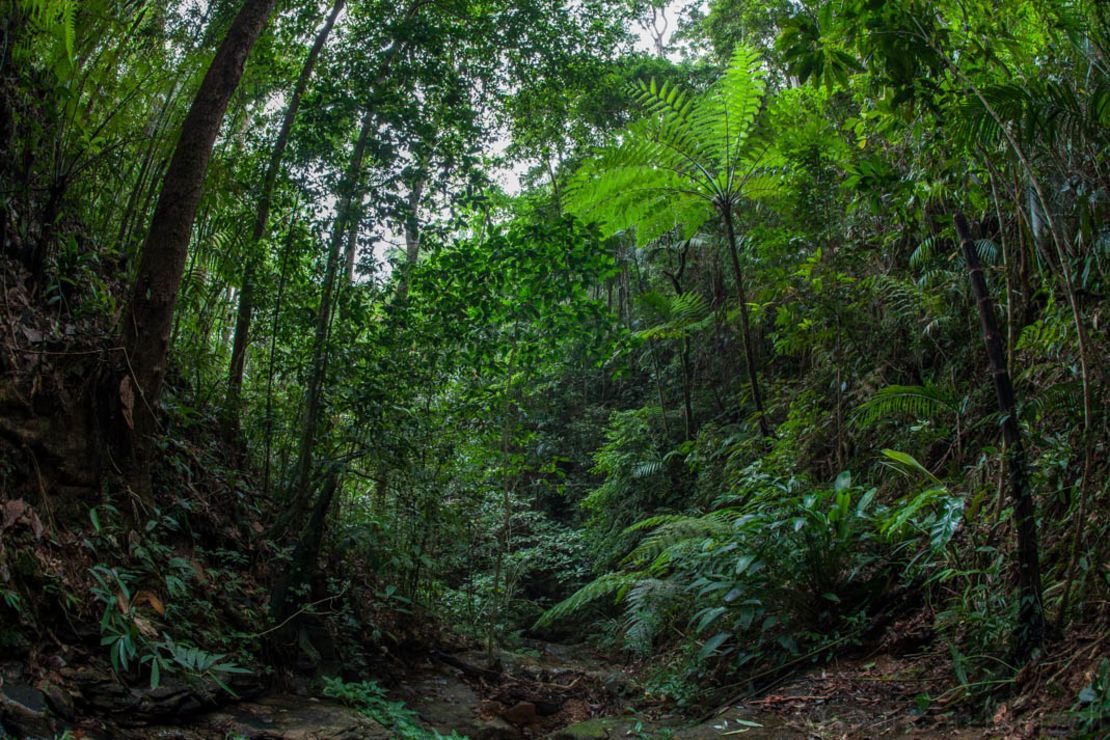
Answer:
(370, 699)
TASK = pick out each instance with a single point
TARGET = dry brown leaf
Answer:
(146, 597)
(13, 510)
(36, 524)
(145, 627)
(20, 512)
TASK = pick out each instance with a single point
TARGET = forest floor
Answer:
(571, 693)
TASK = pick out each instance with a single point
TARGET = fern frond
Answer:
(919, 401)
(606, 585)
(727, 116)
(679, 531)
(678, 316)
(924, 253)
(646, 469)
(653, 521)
(1061, 397)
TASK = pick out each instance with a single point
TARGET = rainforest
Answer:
(506, 369)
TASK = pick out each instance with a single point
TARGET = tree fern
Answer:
(689, 157)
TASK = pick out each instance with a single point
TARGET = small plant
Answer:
(640, 732)
(193, 662)
(370, 699)
(1093, 707)
(132, 638)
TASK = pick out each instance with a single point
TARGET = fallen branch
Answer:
(468, 669)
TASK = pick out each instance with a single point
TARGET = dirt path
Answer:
(570, 693)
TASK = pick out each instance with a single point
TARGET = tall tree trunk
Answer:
(745, 328)
(1031, 625)
(300, 495)
(656, 366)
(262, 214)
(149, 313)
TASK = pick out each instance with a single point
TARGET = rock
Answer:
(21, 720)
(59, 701)
(495, 729)
(282, 716)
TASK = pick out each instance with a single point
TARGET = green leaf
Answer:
(712, 644)
(908, 461)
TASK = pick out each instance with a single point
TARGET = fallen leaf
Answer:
(13, 510)
(144, 626)
(149, 598)
(36, 524)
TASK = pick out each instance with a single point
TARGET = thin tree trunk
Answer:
(149, 191)
(279, 300)
(150, 162)
(655, 365)
(300, 494)
(841, 438)
(1031, 626)
(354, 223)
(286, 592)
(412, 234)
(149, 313)
(12, 22)
(508, 485)
(687, 403)
(745, 328)
(262, 215)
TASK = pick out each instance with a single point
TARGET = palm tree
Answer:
(691, 160)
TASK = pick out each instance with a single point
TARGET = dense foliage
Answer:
(794, 328)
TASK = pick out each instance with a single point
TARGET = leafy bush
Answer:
(749, 578)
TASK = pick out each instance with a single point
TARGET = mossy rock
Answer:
(598, 727)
